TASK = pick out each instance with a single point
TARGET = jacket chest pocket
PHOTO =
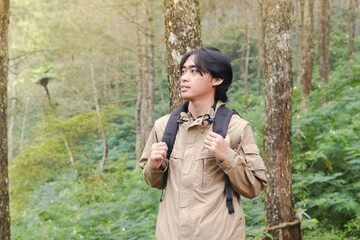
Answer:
(206, 172)
(176, 162)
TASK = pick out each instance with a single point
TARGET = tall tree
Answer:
(299, 14)
(12, 121)
(147, 71)
(23, 126)
(145, 96)
(279, 201)
(182, 33)
(98, 112)
(4, 180)
(351, 28)
(324, 32)
(259, 37)
(306, 50)
(247, 42)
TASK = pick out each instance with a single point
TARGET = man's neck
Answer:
(198, 108)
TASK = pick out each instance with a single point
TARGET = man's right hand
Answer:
(158, 154)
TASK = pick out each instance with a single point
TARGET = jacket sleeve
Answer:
(154, 178)
(245, 167)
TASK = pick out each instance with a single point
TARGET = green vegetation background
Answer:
(52, 200)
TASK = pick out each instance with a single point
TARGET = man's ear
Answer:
(217, 81)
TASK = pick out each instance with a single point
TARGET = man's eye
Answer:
(194, 71)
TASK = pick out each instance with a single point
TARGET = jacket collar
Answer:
(186, 115)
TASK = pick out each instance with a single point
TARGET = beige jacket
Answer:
(194, 201)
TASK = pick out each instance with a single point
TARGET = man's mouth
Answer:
(184, 87)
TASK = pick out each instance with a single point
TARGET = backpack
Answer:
(220, 126)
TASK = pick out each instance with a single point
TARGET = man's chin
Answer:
(185, 98)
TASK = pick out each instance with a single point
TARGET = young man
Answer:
(194, 201)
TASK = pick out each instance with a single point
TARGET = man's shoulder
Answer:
(161, 122)
(237, 119)
(237, 123)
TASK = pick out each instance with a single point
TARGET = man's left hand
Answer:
(217, 145)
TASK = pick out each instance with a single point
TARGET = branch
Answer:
(281, 225)
(43, 50)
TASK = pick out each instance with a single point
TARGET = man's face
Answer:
(194, 85)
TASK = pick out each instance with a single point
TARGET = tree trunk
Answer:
(117, 84)
(279, 202)
(182, 33)
(139, 145)
(102, 129)
(299, 14)
(12, 122)
(351, 29)
(139, 99)
(4, 180)
(324, 32)
(247, 41)
(307, 51)
(260, 36)
(144, 114)
(23, 127)
(147, 108)
(163, 72)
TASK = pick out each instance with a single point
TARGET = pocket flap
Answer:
(205, 154)
(251, 149)
(177, 154)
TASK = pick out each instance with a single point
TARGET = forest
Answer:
(87, 79)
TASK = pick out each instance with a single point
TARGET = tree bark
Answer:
(299, 15)
(139, 98)
(102, 129)
(306, 65)
(4, 179)
(324, 32)
(147, 108)
(351, 29)
(117, 83)
(144, 114)
(23, 127)
(247, 42)
(182, 34)
(12, 122)
(279, 201)
(260, 37)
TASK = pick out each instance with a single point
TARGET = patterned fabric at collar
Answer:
(187, 117)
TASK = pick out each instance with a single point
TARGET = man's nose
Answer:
(184, 77)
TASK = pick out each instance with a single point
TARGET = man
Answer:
(194, 201)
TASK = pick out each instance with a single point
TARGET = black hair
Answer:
(213, 61)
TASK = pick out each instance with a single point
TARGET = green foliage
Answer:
(352, 228)
(36, 164)
(50, 199)
(47, 156)
(326, 156)
(116, 204)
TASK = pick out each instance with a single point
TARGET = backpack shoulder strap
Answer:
(170, 132)
(171, 129)
(221, 123)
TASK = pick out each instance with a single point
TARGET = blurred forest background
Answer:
(73, 87)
